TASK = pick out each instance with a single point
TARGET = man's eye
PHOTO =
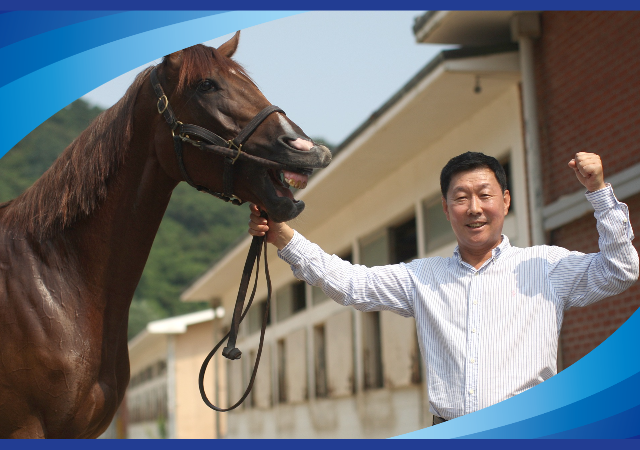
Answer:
(206, 85)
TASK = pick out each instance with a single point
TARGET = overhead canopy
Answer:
(473, 28)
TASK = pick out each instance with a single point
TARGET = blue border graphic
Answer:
(73, 52)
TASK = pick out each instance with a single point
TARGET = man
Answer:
(488, 318)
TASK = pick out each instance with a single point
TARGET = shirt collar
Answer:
(495, 253)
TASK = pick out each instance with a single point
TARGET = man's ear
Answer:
(507, 201)
(230, 47)
(444, 208)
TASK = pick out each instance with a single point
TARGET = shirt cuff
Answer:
(602, 199)
(293, 251)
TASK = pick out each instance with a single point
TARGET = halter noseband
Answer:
(207, 140)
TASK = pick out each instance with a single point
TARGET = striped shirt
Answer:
(491, 333)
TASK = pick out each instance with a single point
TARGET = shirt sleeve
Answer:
(581, 279)
(381, 288)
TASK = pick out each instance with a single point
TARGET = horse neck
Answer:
(114, 242)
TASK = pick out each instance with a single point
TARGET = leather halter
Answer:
(231, 150)
(208, 141)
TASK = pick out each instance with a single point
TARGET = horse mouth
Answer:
(284, 180)
(276, 195)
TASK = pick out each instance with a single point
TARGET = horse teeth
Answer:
(290, 182)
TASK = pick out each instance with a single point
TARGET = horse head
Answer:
(206, 88)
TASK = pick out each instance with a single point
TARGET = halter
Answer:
(232, 151)
(208, 141)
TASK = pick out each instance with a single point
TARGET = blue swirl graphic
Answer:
(63, 55)
(56, 84)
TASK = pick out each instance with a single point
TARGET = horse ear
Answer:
(229, 47)
(174, 60)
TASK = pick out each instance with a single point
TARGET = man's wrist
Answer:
(285, 234)
(602, 199)
(601, 186)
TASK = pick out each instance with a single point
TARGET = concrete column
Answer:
(171, 386)
(525, 27)
(358, 369)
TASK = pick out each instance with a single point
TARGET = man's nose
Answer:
(474, 206)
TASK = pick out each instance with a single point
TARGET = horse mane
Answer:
(77, 182)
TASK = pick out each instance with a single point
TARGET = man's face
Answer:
(476, 208)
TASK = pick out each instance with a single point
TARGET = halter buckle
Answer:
(166, 104)
(177, 124)
(232, 144)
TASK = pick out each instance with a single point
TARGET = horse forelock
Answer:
(77, 181)
(197, 62)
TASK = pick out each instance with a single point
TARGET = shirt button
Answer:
(473, 361)
(473, 330)
(475, 302)
(476, 274)
(471, 391)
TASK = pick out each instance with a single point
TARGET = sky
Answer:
(327, 70)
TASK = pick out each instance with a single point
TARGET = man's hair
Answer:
(470, 161)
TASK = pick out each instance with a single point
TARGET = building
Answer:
(581, 92)
(163, 400)
(530, 89)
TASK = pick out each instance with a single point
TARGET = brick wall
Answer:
(588, 85)
(585, 328)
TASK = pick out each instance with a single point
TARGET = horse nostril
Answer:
(300, 144)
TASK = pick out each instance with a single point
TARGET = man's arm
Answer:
(366, 289)
(581, 279)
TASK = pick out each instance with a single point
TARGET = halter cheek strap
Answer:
(207, 140)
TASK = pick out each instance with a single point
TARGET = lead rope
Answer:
(230, 351)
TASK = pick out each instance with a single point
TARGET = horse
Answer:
(73, 246)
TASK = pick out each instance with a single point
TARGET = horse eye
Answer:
(206, 85)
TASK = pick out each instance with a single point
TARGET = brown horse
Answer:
(73, 246)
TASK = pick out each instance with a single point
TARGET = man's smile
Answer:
(476, 225)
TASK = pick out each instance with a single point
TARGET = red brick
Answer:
(587, 66)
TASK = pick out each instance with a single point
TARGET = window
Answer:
(372, 353)
(320, 358)
(403, 242)
(318, 296)
(255, 316)
(282, 371)
(290, 299)
(416, 363)
(437, 230)
(299, 296)
(506, 165)
(375, 250)
(247, 371)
